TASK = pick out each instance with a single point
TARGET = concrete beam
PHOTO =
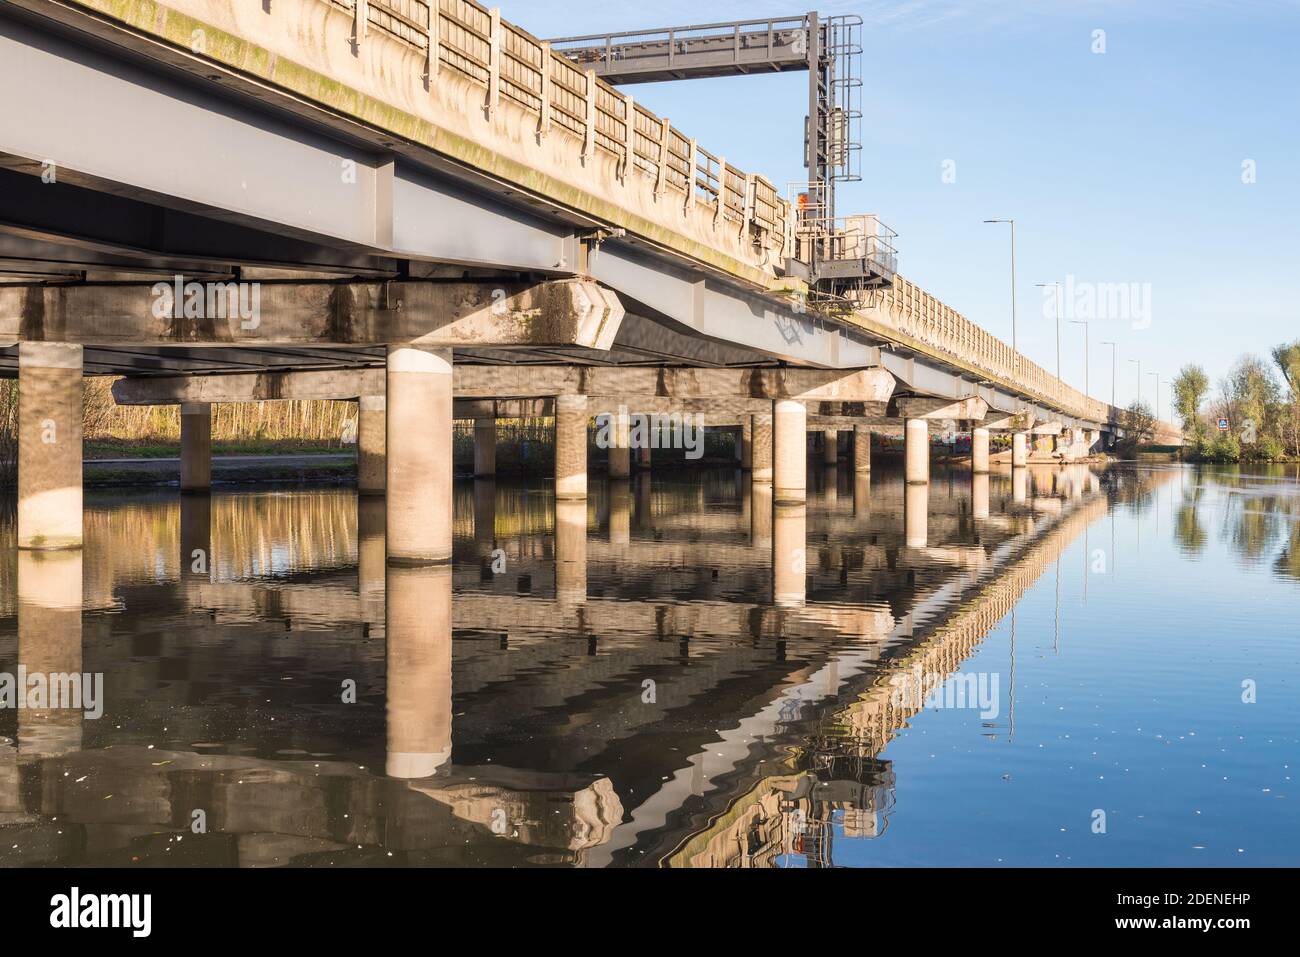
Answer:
(972, 407)
(421, 313)
(997, 421)
(1046, 428)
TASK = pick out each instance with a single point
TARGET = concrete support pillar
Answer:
(830, 446)
(485, 447)
(419, 457)
(485, 513)
(861, 448)
(620, 512)
(49, 445)
(760, 515)
(371, 558)
(830, 486)
(372, 441)
(789, 452)
(1020, 449)
(789, 558)
(916, 515)
(980, 495)
(196, 538)
(861, 494)
(620, 450)
(1019, 485)
(196, 447)
(761, 452)
(644, 508)
(979, 451)
(571, 447)
(916, 452)
(418, 648)
(747, 443)
(570, 551)
(49, 643)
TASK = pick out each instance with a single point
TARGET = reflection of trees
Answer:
(1257, 521)
(1188, 530)
(1288, 562)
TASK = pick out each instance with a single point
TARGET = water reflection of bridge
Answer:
(542, 748)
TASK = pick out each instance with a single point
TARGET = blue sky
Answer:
(1119, 167)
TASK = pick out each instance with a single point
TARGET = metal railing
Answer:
(511, 64)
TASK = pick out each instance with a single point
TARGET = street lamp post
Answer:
(1014, 345)
(1157, 375)
(1113, 348)
(1057, 297)
(1086, 348)
(1139, 379)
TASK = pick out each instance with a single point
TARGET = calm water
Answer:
(671, 675)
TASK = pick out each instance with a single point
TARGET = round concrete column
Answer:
(1019, 484)
(789, 452)
(979, 451)
(916, 452)
(372, 438)
(830, 446)
(916, 515)
(861, 448)
(419, 458)
(619, 451)
(761, 451)
(196, 447)
(485, 447)
(747, 443)
(789, 558)
(49, 445)
(571, 447)
(1020, 449)
(418, 648)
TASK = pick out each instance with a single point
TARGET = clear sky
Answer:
(1123, 166)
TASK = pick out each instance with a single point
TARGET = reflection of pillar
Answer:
(570, 551)
(760, 515)
(789, 451)
(861, 448)
(916, 515)
(419, 457)
(830, 486)
(485, 512)
(830, 446)
(643, 460)
(371, 558)
(979, 451)
(980, 495)
(761, 454)
(644, 504)
(485, 446)
(861, 493)
(196, 447)
(196, 538)
(747, 442)
(49, 643)
(789, 561)
(916, 451)
(620, 512)
(49, 445)
(419, 669)
(571, 447)
(620, 452)
(1019, 449)
(1019, 485)
(372, 438)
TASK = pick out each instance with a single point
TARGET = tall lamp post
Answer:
(1157, 375)
(1014, 345)
(1113, 349)
(1086, 349)
(1057, 297)
(1139, 379)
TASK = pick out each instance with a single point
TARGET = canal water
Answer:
(1068, 666)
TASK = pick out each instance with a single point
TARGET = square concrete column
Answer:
(1020, 449)
(789, 452)
(861, 448)
(372, 442)
(916, 452)
(196, 447)
(571, 447)
(830, 446)
(761, 451)
(979, 451)
(620, 444)
(419, 461)
(747, 443)
(49, 445)
(485, 447)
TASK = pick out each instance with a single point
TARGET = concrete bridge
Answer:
(226, 201)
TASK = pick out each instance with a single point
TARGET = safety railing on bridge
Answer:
(510, 64)
(913, 311)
